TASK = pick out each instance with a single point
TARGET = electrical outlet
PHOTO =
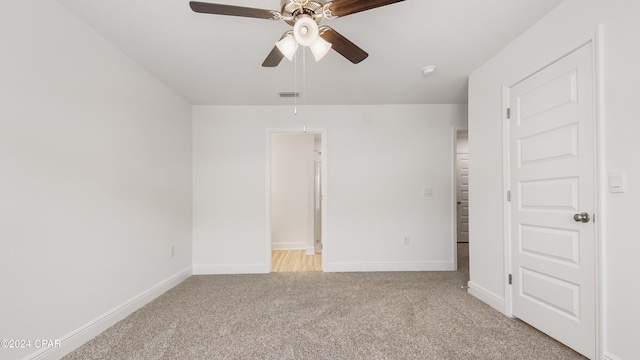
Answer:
(172, 251)
(406, 240)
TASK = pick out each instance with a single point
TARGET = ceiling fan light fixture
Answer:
(288, 46)
(304, 16)
(320, 48)
(305, 30)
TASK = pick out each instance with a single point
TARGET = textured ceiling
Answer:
(216, 60)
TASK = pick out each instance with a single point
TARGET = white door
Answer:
(552, 182)
(462, 162)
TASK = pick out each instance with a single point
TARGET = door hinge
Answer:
(508, 113)
(510, 279)
(509, 195)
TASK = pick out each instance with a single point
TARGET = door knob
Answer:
(584, 217)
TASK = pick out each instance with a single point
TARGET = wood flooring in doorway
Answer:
(295, 261)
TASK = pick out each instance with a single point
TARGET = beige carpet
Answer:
(403, 315)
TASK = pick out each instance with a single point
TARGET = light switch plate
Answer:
(616, 182)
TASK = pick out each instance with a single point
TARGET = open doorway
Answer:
(462, 200)
(462, 186)
(296, 236)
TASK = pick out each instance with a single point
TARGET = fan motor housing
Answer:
(293, 8)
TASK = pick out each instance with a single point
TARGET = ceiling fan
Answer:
(305, 16)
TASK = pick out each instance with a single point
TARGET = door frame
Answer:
(291, 131)
(457, 131)
(594, 38)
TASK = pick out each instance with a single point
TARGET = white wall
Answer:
(563, 29)
(378, 161)
(95, 180)
(292, 180)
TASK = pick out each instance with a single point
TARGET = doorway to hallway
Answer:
(462, 186)
(295, 201)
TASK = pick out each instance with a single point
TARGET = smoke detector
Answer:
(428, 70)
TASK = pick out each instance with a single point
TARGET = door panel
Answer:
(534, 148)
(549, 194)
(552, 178)
(551, 244)
(555, 294)
(556, 92)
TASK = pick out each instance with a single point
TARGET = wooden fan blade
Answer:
(220, 9)
(347, 7)
(342, 45)
(274, 58)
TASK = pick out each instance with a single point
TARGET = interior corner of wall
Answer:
(488, 297)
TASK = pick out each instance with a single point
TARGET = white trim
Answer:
(267, 202)
(390, 266)
(289, 246)
(487, 297)
(456, 152)
(231, 269)
(325, 233)
(454, 197)
(325, 200)
(506, 187)
(78, 337)
(609, 356)
(600, 182)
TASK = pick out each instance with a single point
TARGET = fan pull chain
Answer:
(304, 84)
(304, 76)
(295, 83)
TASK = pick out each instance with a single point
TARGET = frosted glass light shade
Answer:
(305, 31)
(288, 46)
(320, 48)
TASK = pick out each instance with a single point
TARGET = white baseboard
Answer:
(288, 246)
(487, 297)
(390, 266)
(230, 269)
(78, 337)
(609, 356)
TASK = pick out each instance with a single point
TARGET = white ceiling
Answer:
(216, 60)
